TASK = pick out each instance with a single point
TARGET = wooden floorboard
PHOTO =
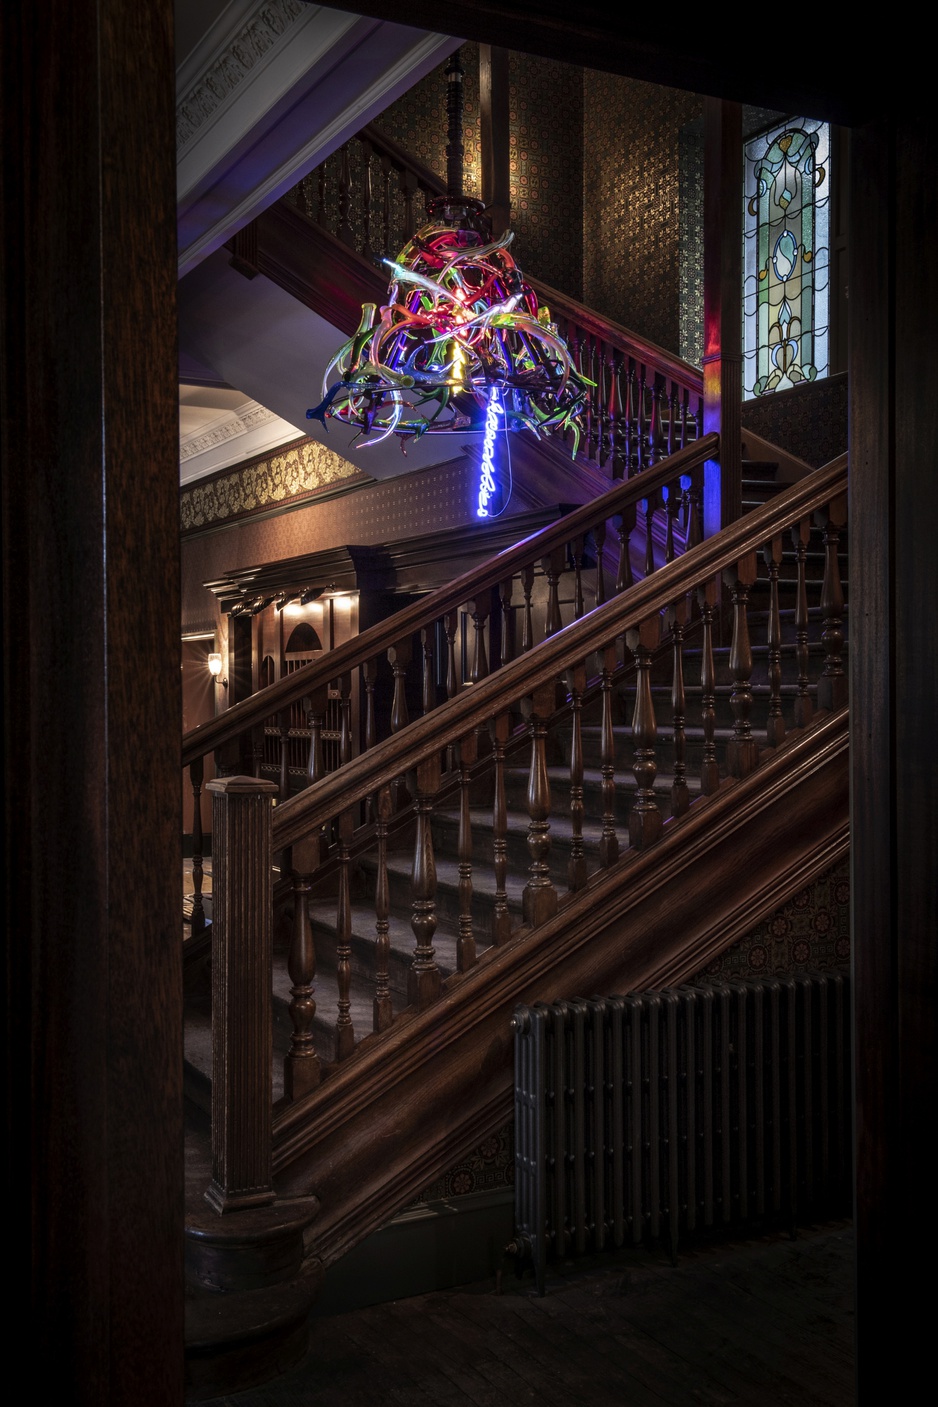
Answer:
(763, 1323)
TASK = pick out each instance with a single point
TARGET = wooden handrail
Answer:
(236, 720)
(453, 720)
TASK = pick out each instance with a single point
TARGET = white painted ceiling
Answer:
(265, 91)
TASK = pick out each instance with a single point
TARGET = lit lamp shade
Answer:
(214, 664)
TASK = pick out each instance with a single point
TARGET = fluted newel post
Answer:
(775, 723)
(479, 664)
(344, 1029)
(242, 1037)
(644, 817)
(552, 567)
(677, 620)
(804, 709)
(527, 615)
(539, 901)
(382, 1013)
(576, 869)
(196, 773)
(301, 1069)
(742, 753)
(832, 685)
(423, 985)
(499, 729)
(625, 526)
(284, 717)
(467, 752)
(709, 767)
(609, 841)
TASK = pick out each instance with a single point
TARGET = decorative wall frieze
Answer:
(267, 26)
(295, 473)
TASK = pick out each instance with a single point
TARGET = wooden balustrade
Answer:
(647, 631)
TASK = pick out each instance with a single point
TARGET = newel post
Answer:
(242, 1048)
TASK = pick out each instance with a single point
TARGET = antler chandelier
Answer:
(461, 343)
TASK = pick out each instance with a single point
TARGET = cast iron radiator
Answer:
(663, 1112)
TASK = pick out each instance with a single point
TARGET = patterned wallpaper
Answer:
(809, 420)
(811, 933)
(632, 196)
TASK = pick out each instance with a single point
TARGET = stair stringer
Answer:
(410, 1102)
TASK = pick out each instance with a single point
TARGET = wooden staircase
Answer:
(522, 862)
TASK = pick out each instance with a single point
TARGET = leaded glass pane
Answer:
(786, 256)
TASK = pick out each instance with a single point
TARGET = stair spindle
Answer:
(369, 677)
(344, 1029)
(742, 753)
(709, 767)
(804, 708)
(576, 869)
(508, 620)
(539, 901)
(284, 717)
(648, 506)
(343, 687)
(609, 841)
(655, 452)
(677, 621)
(527, 617)
(399, 656)
(450, 623)
(577, 551)
(644, 817)
(625, 526)
(424, 979)
(382, 1012)
(618, 421)
(630, 422)
(315, 707)
(673, 500)
(832, 685)
(301, 1068)
(499, 729)
(603, 448)
(479, 665)
(599, 541)
(642, 421)
(197, 918)
(428, 680)
(775, 723)
(468, 751)
(552, 566)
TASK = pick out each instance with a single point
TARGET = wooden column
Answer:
(723, 274)
(894, 703)
(495, 135)
(92, 985)
(242, 1035)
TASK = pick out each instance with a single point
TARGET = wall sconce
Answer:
(214, 668)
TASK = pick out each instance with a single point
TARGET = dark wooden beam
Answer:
(723, 272)
(495, 135)
(92, 700)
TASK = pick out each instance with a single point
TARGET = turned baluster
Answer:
(539, 901)
(709, 767)
(742, 753)
(367, 194)
(642, 419)
(383, 1015)
(467, 752)
(625, 526)
(672, 504)
(527, 615)
(344, 1030)
(423, 984)
(369, 677)
(693, 514)
(671, 397)
(301, 1069)
(196, 773)
(576, 869)
(478, 609)
(450, 622)
(399, 656)
(508, 620)
(343, 687)
(775, 723)
(315, 707)
(619, 420)
(596, 403)
(648, 507)
(832, 685)
(284, 723)
(804, 708)
(589, 406)
(609, 841)
(644, 817)
(499, 729)
(344, 232)
(602, 394)
(677, 620)
(630, 418)
(698, 418)
(654, 429)
(599, 539)
(552, 566)
(576, 550)
(427, 635)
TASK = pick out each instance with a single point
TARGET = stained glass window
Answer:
(786, 257)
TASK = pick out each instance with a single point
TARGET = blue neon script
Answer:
(487, 485)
